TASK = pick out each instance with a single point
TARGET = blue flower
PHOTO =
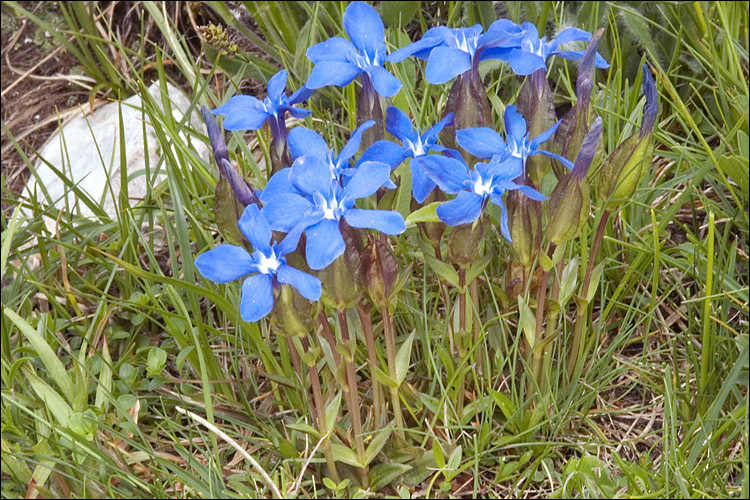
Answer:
(305, 142)
(533, 52)
(319, 203)
(244, 112)
(451, 52)
(413, 146)
(485, 143)
(487, 182)
(339, 61)
(227, 263)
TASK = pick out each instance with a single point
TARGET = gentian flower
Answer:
(227, 263)
(244, 112)
(339, 61)
(487, 182)
(452, 52)
(305, 142)
(533, 52)
(414, 146)
(485, 143)
(323, 202)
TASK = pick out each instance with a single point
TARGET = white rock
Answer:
(87, 151)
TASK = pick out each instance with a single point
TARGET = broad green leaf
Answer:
(332, 411)
(454, 462)
(104, 386)
(47, 356)
(443, 269)
(52, 399)
(157, 358)
(378, 441)
(343, 454)
(397, 14)
(596, 274)
(477, 267)
(384, 474)
(427, 213)
(403, 357)
(527, 320)
(437, 452)
(568, 281)
(305, 429)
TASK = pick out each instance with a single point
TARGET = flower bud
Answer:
(569, 203)
(522, 222)
(463, 242)
(470, 106)
(368, 108)
(575, 124)
(624, 169)
(227, 211)
(378, 271)
(431, 232)
(292, 314)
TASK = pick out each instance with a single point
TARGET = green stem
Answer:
(329, 337)
(461, 336)
(390, 348)
(354, 413)
(295, 358)
(320, 416)
(575, 356)
(377, 391)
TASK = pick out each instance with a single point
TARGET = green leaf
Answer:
(527, 320)
(476, 268)
(157, 358)
(437, 452)
(180, 361)
(384, 474)
(377, 443)
(454, 462)
(47, 356)
(443, 269)
(332, 411)
(736, 168)
(7, 237)
(397, 14)
(305, 429)
(427, 213)
(84, 424)
(403, 357)
(568, 281)
(104, 387)
(52, 399)
(505, 404)
(596, 274)
(383, 378)
(343, 454)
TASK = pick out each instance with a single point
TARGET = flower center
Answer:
(330, 208)
(418, 147)
(266, 264)
(518, 148)
(483, 187)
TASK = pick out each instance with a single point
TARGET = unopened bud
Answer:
(470, 106)
(522, 223)
(292, 314)
(464, 240)
(537, 106)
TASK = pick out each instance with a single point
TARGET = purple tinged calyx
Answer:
(651, 109)
(587, 151)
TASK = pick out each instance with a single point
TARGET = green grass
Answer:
(110, 337)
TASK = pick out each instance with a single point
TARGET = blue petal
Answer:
(448, 173)
(304, 142)
(569, 35)
(225, 263)
(497, 200)
(482, 142)
(651, 109)
(501, 168)
(255, 227)
(298, 112)
(524, 63)
(311, 175)
(531, 31)
(399, 125)
(285, 211)
(324, 243)
(301, 95)
(385, 83)
(559, 158)
(544, 136)
(277, 84)
(573, 55)
(243, 112)
(421, 184)
(332, 73)
(364, 27)
(386, 152)
(529, 191)
(257, 297)
(433, 131)
(307, 285)
(333, 49)
(277, 185)
(515, 124)
(368, 177)
(352, 145)
(421, 46)
(385, 221)
(445, 64)
(466, 207)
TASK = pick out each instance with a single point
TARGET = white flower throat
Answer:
(268, 265)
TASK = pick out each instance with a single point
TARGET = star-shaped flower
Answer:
(485, 143)
(244, 112)
(227, 263)
(414, 146)
(339, 61)
(474, 188)
(319, 202)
